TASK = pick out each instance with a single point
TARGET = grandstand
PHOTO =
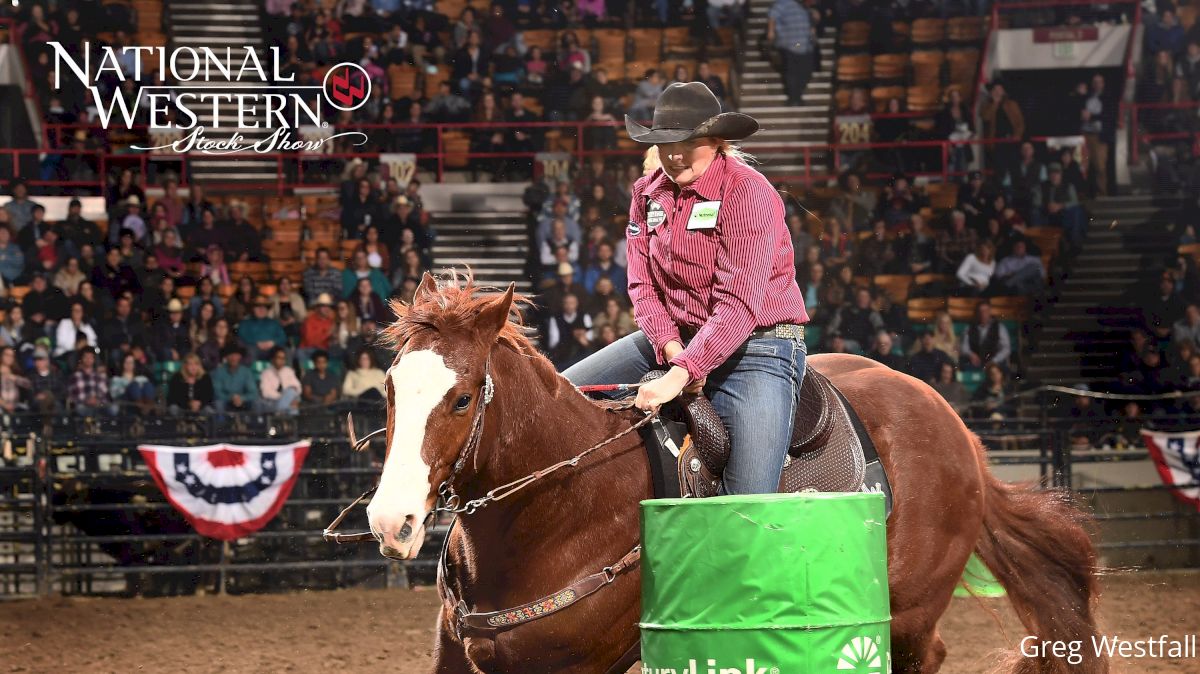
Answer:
(1016, 179)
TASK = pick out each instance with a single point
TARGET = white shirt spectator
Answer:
(275, 381)
(975, 273)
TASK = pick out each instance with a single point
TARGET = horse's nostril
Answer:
(405, 531)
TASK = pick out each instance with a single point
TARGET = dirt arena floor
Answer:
(365, 631)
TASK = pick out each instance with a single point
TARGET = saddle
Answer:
(830, 451)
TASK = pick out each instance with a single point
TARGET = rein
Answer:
(505, 619)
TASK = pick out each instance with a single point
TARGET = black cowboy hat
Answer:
(690, 110)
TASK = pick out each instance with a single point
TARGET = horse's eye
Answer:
(463, 402)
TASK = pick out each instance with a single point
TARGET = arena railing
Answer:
(1141, 113)
(313, 169)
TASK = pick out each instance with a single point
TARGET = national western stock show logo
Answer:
(208, 80)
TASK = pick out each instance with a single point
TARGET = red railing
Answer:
(295, 170)
(1138, 114)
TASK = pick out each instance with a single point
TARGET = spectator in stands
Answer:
(208, 236)
(318, 326)
(837, 246)
(471, 65)
(1187, 329)
(882, 351)
(131, 385)
(119, 333)
(813, 288)
(242, 240)
(287, 304)
(954, 123)
(852, 205)
(173, 336)
(322, 277)
(44, 301)
(976, 271)
(278, 386)
(12, 260)
(876, 254)
(192, 213)
(214, 266)
(646, 95)
(88, 388)
(200, 324)
(78, 231)
(1165, 35)
(448, 106)
(986, 341)
(1058, 206)
(20, 207)
(169, 255)
(602, 136)
(220, 339)
(260, 333)
(595, 303)
(367, 303)
(994, 398)
(1072, 173)
(616, 316)
(130, 221)
(1096, 133)
(31, 237)
(1162, 308)
(360, 268)
(922, 248)
(705, 75)
(12, 329)
(568, 333)
(955, 243)
(857, 322)
(1002, 121)
(235, 386)
(320, 385)
(1187, 73)
(975, 199)
(75, 324)
(1025, 178)
(604, 267)
(360, 211)
(205, 294)
(364, 383)
(487, 139)
(927, 362)
(69, 277)
(1019, 273)
(467, 21)
(789, 29)
(190, 391)
(241, 305)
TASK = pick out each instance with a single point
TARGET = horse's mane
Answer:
(455, 306)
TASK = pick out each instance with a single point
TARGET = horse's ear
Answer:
(427, 290)
(494, 315)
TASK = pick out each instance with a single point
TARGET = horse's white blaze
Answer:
(420, 381)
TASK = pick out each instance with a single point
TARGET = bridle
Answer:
(468, 621)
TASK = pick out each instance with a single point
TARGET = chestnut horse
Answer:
(458, 350)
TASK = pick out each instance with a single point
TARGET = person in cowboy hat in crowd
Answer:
(712, 278)
(260, 333)
(173, 336)
(130, 219)
(317, 328)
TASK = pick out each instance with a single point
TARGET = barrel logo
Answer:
(861, 655)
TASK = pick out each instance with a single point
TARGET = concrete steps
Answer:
(493, 245)
(1085, 332)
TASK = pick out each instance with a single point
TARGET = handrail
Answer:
(1135, 131)
(302, 162)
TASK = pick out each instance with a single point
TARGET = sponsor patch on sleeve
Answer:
(634, 229)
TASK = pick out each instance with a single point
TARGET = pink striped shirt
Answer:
(721, 277)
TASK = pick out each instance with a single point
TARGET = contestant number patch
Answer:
(704, 215)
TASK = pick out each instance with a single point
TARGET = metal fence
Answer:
(81, 516)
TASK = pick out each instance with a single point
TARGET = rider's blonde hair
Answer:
(651, 160)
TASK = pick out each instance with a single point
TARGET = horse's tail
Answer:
(1036, 544)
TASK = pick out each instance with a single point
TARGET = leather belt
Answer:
(777, 331)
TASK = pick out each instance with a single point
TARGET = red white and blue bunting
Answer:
(226, 491)
(1177, 458)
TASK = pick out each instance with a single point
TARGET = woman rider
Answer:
(713, 283)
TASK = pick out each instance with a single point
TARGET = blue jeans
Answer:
(754, 392)
(282, 404)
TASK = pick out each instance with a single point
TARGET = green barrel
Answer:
(765, 584)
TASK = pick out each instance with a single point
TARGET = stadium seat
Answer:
(291, 269)
(925, 309)
(854, 35)
(402, 79)
(1011, 308)
(962, 65)
(928, 31)
(942, 196)
(881, 95)
(963, 308)
(970, 379)
(185, 293)
(886, 67)
(895, 285)
(965, 29)
(17, 293)
(1192, 249)
(540, 38)
(854, 68)
(927, 68)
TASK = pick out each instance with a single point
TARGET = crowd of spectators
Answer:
(160, 312)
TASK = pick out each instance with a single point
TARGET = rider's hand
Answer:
(652, 395)
(696, 386)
